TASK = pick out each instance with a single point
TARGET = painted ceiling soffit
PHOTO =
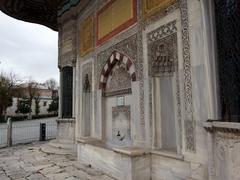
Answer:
(35, 11)
(44, 12)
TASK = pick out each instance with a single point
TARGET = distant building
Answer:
(45, 98)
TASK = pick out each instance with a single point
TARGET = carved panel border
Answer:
(162, 35)
(189, 123)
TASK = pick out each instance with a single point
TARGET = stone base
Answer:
(54, 147)
(121, 163)
(66, 131)
(130, 163)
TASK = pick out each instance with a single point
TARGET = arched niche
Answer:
(116, 82)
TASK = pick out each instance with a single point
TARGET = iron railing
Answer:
(27, 131)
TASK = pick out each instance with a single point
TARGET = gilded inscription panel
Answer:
(86, 36)
(150, 7)
(114, 17)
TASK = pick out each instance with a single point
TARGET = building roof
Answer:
(43, 12)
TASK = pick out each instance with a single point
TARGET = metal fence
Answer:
(3, 135)
(27, 131)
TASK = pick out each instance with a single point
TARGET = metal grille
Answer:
(228, 41)
(3, 135)
(67, 83)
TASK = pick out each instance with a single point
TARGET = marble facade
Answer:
(143, 90)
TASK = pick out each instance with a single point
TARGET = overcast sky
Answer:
(28, 50)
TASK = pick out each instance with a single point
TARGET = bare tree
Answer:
(32, 89)
(51, 84)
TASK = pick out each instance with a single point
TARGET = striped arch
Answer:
(115, 58)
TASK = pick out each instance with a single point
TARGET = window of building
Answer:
(228, 42)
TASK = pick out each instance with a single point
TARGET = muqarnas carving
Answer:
(163, 56)
(121, 116)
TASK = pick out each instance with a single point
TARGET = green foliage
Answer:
(5, 93)
(53, 107)
(23, 106)
(37, 106)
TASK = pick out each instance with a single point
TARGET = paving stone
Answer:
(37, 176)
(27, 162)
(3, 177)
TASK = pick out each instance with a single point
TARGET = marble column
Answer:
(74, 92)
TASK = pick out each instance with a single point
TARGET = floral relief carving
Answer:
(119, 81)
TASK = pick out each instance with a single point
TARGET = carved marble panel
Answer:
(127, 47)
(119, 81)
(163, 56)
(162, 50)
(121, 125)
(163, 61)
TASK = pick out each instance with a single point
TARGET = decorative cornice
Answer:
(224, 127)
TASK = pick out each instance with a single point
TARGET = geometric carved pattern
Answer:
(115, 58)
(162, 31)
(188, 114)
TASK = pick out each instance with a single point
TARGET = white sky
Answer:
(28, 50)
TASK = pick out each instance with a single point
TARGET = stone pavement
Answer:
(29, 162)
